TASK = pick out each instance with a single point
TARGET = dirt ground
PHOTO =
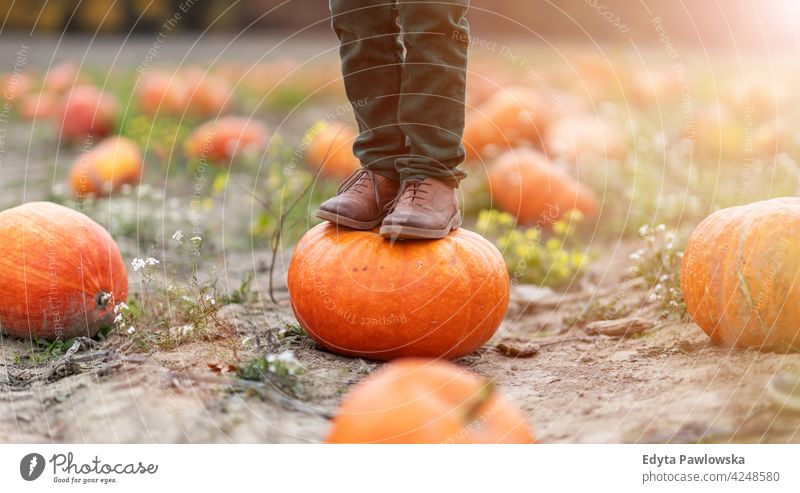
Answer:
(666, 384)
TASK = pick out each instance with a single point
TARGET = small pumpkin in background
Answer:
(208, 94)
(524, 183)
(61, 274)
(330, 150)
(740, 272)
(37, 106)
(114, 162)
(361, 296)
(87, 112)
(61, 77)
(418, 400)
(585, 140)
(14, 87)
(223, 140)
(657, 87)
(162, 92)
(511, 117)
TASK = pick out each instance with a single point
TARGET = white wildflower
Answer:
(286, 356)
(137, 264)
(131, 329)
(178, 236)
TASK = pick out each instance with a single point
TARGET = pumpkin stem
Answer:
(102, 299)
(473, 406)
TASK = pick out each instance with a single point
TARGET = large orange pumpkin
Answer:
(87, 112)
(357, 294)
(522, 182)
(222, 140)
(330, 150)
(114, 162)
(741, 275)
(419, 400)
(60, 273)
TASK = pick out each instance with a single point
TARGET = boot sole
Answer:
(346, 221)
(397, 232)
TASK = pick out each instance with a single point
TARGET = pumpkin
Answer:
(87, 112)
(14, 86)
(653, 87)
(61, 274)
(329, 150)
(162, 92)
(359, 295)
(585, 140)
(114, 162)
(60, 78)
(522, 182)
(209, 94)
(512, 116)
(37, 106)
(761, 98)
(417, 400)
(740, 272)
(223, 140)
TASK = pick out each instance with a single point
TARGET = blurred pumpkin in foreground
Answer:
(61, 274)
(427, 401)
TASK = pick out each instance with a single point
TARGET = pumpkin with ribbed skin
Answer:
(330, 150)
(359, 295)
(114, 162)
(525, 184)
(60, 273)
(418, 400)
(740, 275)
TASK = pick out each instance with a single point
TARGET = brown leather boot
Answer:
(424, 209)
(361, 202)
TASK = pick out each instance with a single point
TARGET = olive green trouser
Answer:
(409, 108)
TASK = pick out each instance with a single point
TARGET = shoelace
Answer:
(357, 183)
(410, 189)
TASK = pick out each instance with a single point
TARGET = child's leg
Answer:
(372, 60)
(431, 107)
